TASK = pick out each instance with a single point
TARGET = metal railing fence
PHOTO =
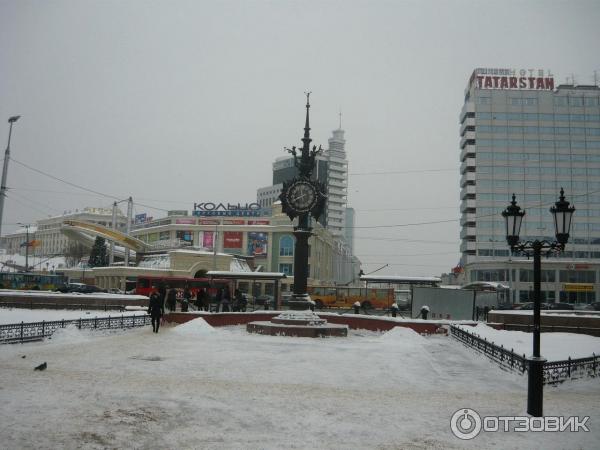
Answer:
(35, 331)
(554, 371)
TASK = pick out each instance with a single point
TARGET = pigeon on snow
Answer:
(41, 366)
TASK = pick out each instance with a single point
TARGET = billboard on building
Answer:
(186, 221)
(208, 239)
(185, 235)
(257, 243)
(232, 239)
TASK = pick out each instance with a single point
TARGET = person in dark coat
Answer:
(198, 301)
(187, 296)
(424, 312)
(218, 299)
(162, 293)
(226, 300)
(172, 300)
(486, 310)
(242, 302)
(203, 300)
(156, 311)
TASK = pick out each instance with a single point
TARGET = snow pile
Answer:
(553, 346)
(70, 334)
(404, 334)
(194, 328)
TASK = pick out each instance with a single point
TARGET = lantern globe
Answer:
(562, 214)
(513, 217)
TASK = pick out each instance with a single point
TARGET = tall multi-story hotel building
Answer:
(520, 133)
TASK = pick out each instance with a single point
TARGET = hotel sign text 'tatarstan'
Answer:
(532, 79)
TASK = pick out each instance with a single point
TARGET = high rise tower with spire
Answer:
(337, 182)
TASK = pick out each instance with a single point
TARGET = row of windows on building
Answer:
(525, 199)
(505, 170)
(526, 275)
(564, 297)
(571, 186)
(541, 117)
(537, 130)
(535, 212)
(536, 157)
(481, 238)
(537, 224)
(537, 143)
(533, 101)
(566, 254)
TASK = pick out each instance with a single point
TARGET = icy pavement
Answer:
(193, 386)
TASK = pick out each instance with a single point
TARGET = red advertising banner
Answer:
(186, 221)
(232, 239)
(209, 222)
(233, 222)
(258, 222)
(208, 239)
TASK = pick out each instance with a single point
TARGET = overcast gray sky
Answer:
(176, 102)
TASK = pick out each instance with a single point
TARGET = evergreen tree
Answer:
(98, 255)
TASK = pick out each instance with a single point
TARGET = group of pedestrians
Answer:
(164, 297)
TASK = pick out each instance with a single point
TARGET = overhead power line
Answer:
(65, 181)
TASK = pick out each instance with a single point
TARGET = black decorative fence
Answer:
(554, 371)
(35, 331)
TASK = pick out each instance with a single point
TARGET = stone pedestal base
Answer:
(298, 323)
(300, 302)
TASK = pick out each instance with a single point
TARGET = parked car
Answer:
(563, 306)
(593, 306)
(80, 288)
(529, 306)
(115, 291)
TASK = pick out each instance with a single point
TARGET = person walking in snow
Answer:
(424, 312)
(156, 311)
(172, 300)
(187, 296)
(162, 293)
(226, 300)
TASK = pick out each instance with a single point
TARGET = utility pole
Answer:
(111, 258)
(26, 225)
(128, 229)
(11, 120)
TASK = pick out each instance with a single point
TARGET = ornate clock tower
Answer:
(303, 197)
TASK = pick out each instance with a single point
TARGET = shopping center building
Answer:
(522, 133)
(217, 235)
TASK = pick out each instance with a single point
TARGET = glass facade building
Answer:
(530, 141)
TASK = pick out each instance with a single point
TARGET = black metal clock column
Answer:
(303, 197)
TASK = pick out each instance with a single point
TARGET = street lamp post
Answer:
(11, 120)
(513, 216)
(26, 225)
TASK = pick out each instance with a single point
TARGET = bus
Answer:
(145, 285)
(26, 281)
(345, 297)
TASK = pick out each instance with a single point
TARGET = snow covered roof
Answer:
(400, 279)
(246, 275)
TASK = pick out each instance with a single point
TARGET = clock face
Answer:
(302, 196)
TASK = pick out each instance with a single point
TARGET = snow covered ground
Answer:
(18, 315)
(192, 386)
(553, 346)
